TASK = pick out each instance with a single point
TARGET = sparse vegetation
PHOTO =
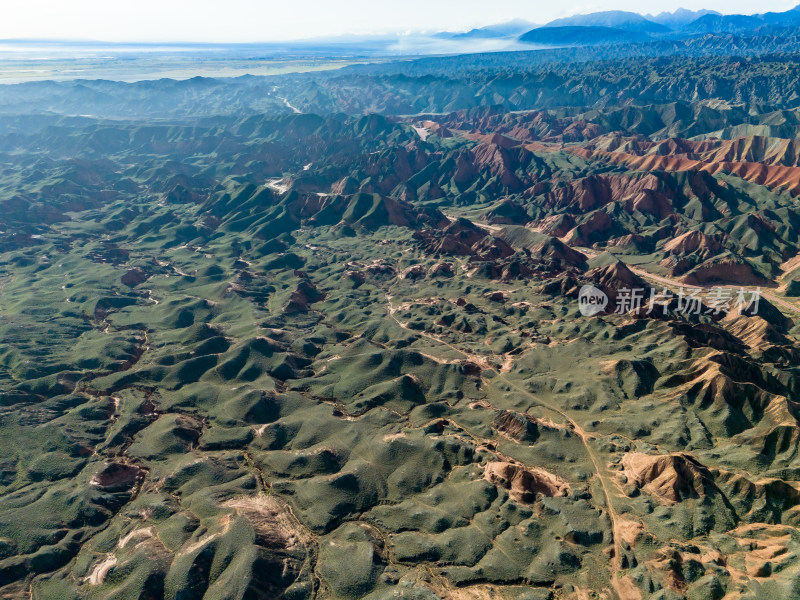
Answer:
(339, 355)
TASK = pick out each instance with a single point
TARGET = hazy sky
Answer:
(266, 20)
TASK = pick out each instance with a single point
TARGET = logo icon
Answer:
(591, 301)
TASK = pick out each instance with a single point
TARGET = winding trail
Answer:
(623, 585)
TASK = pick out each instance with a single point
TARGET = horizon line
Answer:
(338, 37)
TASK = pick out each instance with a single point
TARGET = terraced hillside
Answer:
(341, 356)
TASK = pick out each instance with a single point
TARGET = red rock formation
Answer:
(726, 271)
(117, 477)
(134, 277)
(669, 477)
(523, 483)
(693, 242)
(770, 170)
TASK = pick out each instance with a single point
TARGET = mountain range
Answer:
(323, 335)
(511, 28)
(679, 18)
(318, 336)
(617, 26)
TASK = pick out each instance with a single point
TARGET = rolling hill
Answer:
(325, 335)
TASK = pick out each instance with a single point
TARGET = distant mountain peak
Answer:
(616, 19)
(680, 17)
(511, 28)
(582, 35)
(682, 12)
(716, 23)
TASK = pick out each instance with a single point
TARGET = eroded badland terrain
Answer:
(325, 354)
